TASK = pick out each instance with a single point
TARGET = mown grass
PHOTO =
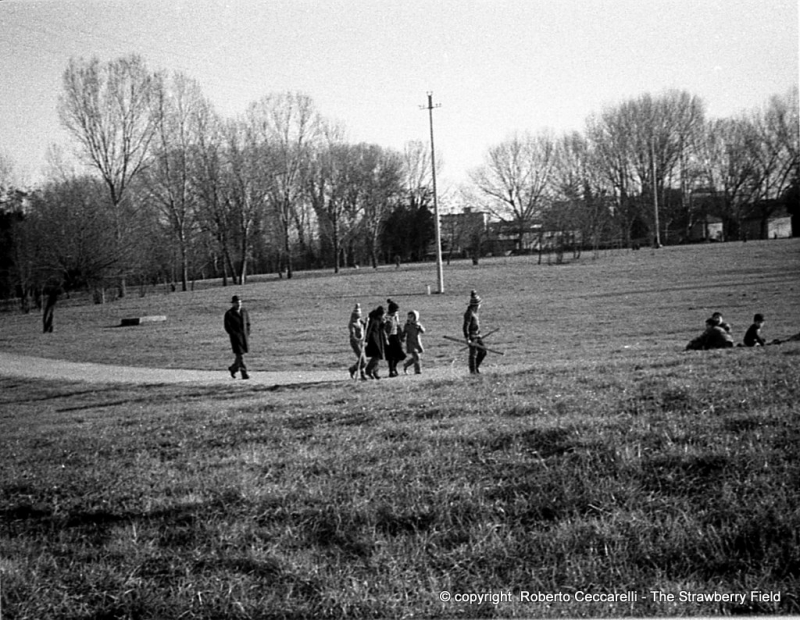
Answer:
(608, 466)
(583, 309)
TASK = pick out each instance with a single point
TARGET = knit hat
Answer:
(357, 309)
(474, 298)
(393, 307)
(235, 299)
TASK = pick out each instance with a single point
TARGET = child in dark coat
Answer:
(752, 337)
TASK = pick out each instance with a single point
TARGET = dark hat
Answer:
(474, 298)
(758, 318)
(234, 299)
(393, 307)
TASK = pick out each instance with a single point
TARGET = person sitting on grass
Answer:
(719, 321)
(752, 337)
(714, 337)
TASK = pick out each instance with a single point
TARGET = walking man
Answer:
(237, 325)
(472, 333)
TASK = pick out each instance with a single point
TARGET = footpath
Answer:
(29, 367)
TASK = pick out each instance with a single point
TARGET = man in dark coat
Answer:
(237, 325)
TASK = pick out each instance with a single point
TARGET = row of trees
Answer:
(648, 167)
(174, 190)
(171, 190)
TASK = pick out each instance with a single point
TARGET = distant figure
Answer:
(376, 342)
(414, 348)
(752, 337)
(358, 335)
(472, 333)
(237, 325)
(51, 298)
(397, 261)
(714, 337)
(394, 337)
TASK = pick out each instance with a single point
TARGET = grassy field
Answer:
(603, 459)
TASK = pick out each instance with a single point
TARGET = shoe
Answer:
(364, 377)
(352, 373)
(375, 375)
(405, 370)
(232, 371)
(245, 375)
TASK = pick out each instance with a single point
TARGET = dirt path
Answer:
(13, 365)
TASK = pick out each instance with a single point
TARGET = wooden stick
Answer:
(490, 333)
(475, 344)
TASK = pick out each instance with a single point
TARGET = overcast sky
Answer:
(495, 66)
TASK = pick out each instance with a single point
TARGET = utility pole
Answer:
(655, 191)
(439, 271)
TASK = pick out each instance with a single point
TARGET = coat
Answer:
(237, 325)
(376, 337)
(715, 337)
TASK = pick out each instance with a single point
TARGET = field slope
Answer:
(596, 462)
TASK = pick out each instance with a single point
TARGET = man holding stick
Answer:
(472, 333)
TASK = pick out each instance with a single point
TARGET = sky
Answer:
(494, 67)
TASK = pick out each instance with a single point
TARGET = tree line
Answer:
(647, 168)
(171, 190)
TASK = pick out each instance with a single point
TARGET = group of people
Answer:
(381, 336)
(717, 334)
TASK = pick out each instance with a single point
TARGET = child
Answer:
(753, 336)
(414, 331)
(394, 334)
(376, 342)
(358, 336)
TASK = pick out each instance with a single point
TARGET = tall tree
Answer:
(776, 152)
(108, 110)
(208, 187)
(288, 124)
(379, 175)
(169, 179)
(516, 179)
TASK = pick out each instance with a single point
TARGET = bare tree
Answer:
(177, 103)
(245, 186)
(776, 153)
(726, 157)
(213, 212)
(516, 179)
(288, 124)
(379, 175)
(108, 110)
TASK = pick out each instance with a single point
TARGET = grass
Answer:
(611, 460)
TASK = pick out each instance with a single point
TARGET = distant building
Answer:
(708, 228)
(776, 225)
(463, 233)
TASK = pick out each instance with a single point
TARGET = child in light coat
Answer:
(414, 331)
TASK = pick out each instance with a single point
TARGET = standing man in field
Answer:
(472, 333)
(237, 325)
